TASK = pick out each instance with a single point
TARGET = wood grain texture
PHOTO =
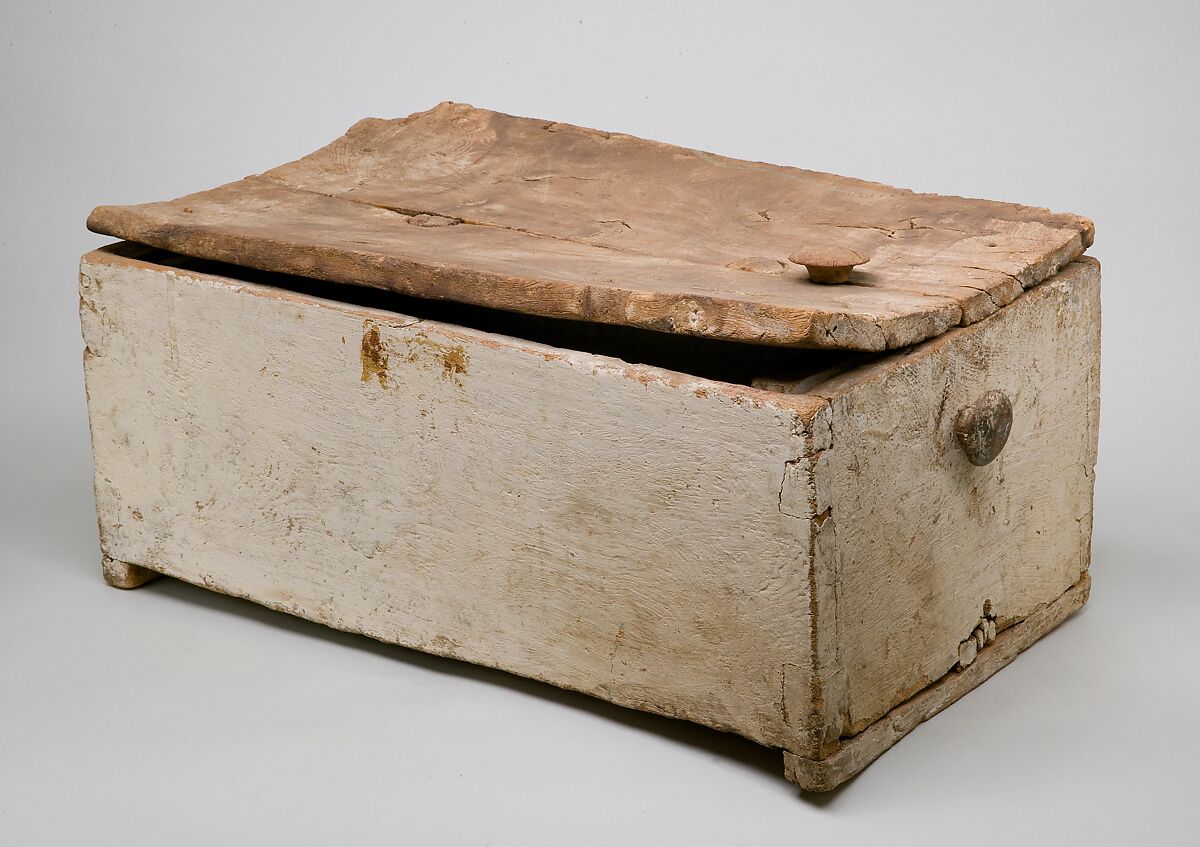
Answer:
(558, 220)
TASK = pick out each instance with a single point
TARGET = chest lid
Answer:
(550, 219)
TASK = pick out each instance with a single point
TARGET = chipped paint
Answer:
(453, 358)
(374, 356)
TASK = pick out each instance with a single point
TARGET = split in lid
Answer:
(559, 221)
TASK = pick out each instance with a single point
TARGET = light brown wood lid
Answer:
(552, 219)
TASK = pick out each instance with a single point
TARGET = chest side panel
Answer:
(930, 548)
(622, 531)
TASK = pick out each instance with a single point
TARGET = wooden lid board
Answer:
(550, 219)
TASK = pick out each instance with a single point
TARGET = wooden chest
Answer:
(556, 401)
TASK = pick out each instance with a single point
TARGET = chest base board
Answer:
(860, 750)
(817, 775)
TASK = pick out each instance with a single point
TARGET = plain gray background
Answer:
(171, 715)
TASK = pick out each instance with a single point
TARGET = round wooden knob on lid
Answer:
(828, 264)
(982, 427)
